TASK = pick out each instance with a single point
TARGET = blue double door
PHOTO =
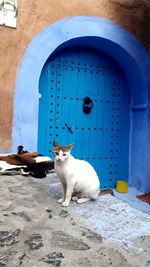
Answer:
(73, 81)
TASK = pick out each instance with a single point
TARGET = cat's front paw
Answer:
(60, 200)
(65, 204)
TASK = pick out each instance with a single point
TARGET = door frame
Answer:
(109, 38)
(58, 97)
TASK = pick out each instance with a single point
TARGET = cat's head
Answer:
(61, 153)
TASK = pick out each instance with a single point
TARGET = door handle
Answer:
(87, 105)
(68, 128)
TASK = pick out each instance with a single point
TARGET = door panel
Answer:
(100, 137)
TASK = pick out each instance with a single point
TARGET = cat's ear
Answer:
(55, 144)
(70, 146)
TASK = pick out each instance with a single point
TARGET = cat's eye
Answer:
(64, 154)
(56, 153)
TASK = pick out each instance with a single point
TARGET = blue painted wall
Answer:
(112, 40)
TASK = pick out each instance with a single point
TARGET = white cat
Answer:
(78, 178)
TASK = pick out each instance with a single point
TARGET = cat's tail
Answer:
(95, 194)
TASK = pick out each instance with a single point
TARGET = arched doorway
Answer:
(100, 136)
(110, 39)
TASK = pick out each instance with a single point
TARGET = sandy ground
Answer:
(36, 231)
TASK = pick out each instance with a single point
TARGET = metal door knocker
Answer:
(87, 105)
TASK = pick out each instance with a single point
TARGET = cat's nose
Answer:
(59, 159)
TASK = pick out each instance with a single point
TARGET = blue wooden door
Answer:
(100, 137)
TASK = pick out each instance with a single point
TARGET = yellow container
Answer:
(122, 187)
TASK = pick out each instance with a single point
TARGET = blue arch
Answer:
(93, 32)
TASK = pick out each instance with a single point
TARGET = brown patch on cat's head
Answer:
(63, 148)
(55, 144)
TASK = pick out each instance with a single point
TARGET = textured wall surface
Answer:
(133, 15)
